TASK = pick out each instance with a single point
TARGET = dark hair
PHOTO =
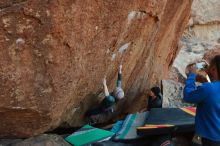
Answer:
(216, 61)
(155, 90)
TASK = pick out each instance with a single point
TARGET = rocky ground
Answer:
(41, 140)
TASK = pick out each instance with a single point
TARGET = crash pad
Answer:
(117, 126)
(87, 135)
(168, 121)
(128, 129)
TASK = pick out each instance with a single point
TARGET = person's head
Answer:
(214, 68)
(119, 93)
(155, 91)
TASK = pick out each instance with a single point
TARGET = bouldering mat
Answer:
(168, 121)
(87, 135)
(128, 128)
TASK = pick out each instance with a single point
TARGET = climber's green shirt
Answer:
(108, 101)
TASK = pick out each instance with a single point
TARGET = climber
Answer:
(155, 98)
(107, 104)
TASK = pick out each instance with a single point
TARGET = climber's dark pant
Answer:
(99, 114)
(119, 81)
(95, 111)
(99, 109)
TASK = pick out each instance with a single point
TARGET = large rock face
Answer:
(54, 54)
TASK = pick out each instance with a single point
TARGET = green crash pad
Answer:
(87, 135)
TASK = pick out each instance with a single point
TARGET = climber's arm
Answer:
(105, 88)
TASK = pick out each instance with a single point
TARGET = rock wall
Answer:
(200, 40)
(173, 94)
(54, 54)
(202, 34)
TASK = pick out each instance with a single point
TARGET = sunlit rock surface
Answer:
(173, 94)
(54, 54)
(202, 34)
